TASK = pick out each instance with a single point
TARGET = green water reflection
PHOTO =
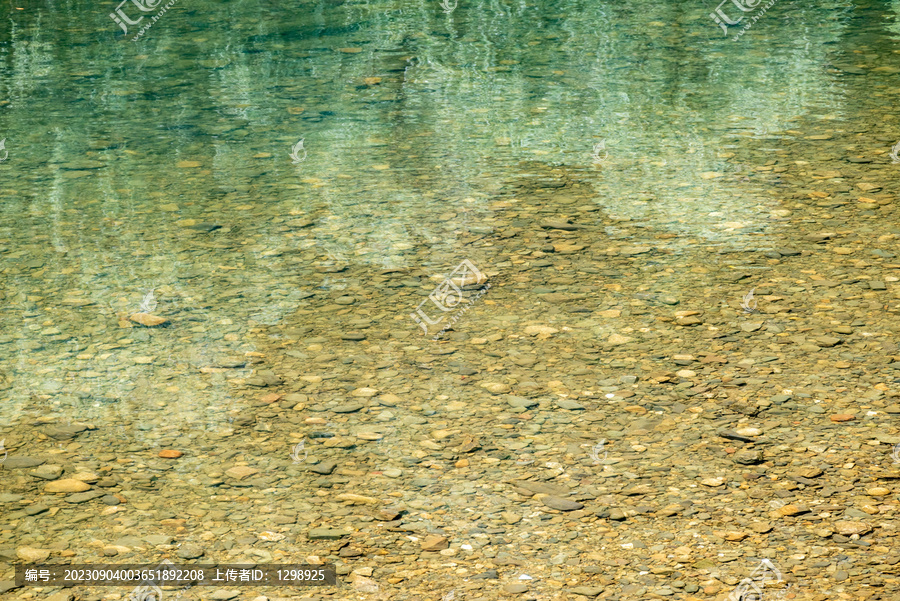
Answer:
(121, 153)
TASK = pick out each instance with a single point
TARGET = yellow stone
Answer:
(535, 330)
(146, 319)
(355, 499)
(495, 387)
(188, 164)
(364, 392)
(67, 485)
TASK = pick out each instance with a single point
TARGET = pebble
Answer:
(47, 472)
(560, 503)
(586, 591)
(323, 467)
(748, 457)
(189, 551)
(20, 462)
(67, 485)
(84, 497)
(435, 543)
(540, 330)
(326, 534)
(148, 320)
(569, 405)
(842, 417)
(713, 481)
(241, 472)
(32, 555)
(170, 454)
(850, 527)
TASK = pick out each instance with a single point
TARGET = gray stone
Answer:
(84, 497)
(748, 457)
(347, 408)
(323, 467)
(128, 541)
(189, 551)
(8, 585)
(326, 534)
(47, 472)
(521, 402)
(64, 432)
(828, 341)
(488, 575)
(587, 591)
(542, 488)
(569, 405)
(159, 539)
(617, 514)
(21, 461)
(561, 504)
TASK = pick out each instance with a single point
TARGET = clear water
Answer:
(116, 147)
(413, 120)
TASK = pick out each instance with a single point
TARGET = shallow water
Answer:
(160, 171)
(115, 145)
